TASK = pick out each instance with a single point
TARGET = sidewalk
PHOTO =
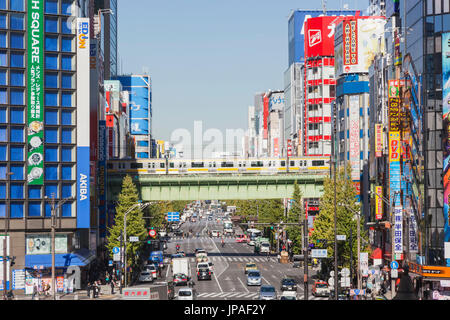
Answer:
(105, 294)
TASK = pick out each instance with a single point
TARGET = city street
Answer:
(229, 280)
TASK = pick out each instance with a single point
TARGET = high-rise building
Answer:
(275, 124)
(140, 115)
(109, 35)
(45, 138)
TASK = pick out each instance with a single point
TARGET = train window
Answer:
(171, 165)
(136, 165)
(283, 163)
(162, 165)
(227, 164)
(197, 164)
(292, 163)
(110, 166)
(257, 164)
(317, 163)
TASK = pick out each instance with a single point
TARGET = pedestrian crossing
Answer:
(226, 238)
(244, 295)
(237, 259)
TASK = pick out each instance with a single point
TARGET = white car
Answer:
(152, 269)
(186, 294)
(205, 265)
(288, 295)
(145, 276)
(215, 233)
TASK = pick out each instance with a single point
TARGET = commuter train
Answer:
(219, 166)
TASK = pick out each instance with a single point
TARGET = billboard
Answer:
(398, 230)
(296, 30)
(394, 114)
(394, 167)
(446, 126)
(378, 202)
(354, 137)
(276, 101)
(102, 155)
(35, 88)
(83, 126)
(357, 43)
(378, 140)
(265, 117)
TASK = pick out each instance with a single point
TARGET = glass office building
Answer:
(39, 95)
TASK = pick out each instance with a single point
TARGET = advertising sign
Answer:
(446, 128)
(378, 140)
(35, 88)
(394, 166)
(289, 148)
(102, 143)
(276, 101)
(413, 240)
(398, 229)
(364, 263)
(83, 127)
(266, 117)
(296, 30)
(354, 136)
(378, 203)
(357, 43)
(393, 89)
(41, 244)
(319, 36)
(394, 114)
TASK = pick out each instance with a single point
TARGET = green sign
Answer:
(35, 70)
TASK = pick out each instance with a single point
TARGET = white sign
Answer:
(134, 239)
(398, 229)
(446, 250)
(18, 279)
(342, 237)
(364, 263)
(445, 283)
(394, 273)
(345, 282)
(345, 272)
(319, 253)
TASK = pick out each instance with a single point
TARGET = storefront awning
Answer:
(78, 258)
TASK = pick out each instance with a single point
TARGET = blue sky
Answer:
(207, 58)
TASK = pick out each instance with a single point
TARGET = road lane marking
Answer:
(245, 287)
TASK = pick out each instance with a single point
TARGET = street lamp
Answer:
(136, 205)
(54, 209)
(5, 257)
(358, 217)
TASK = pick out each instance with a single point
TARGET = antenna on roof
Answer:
(324, 6)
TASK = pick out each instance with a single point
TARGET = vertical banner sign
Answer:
(446, 126)
(350, 44)
(378, 203)
(102, 177)
(35, 112)
(413, 241)
(83, 125)
(398, 230)
(289, 148)
(378, 140)
(394, 167)
(354, 137)
(394, 114)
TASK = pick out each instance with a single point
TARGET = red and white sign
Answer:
(378, 140)
(152, 233)
(315, 37)
(289, 148)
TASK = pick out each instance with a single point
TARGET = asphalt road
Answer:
(229, 281)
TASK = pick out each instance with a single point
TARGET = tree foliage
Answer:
(135, 222)
(346, 207)
(296, 214)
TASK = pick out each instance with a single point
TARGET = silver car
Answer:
(253, 278)
(267, 292)
(145, 276)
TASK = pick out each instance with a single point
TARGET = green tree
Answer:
(295, 215)
(135, 222)
(346, 207)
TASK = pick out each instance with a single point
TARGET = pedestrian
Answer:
(88, 289)
(112, 286)
(35, 291)
(96, 289)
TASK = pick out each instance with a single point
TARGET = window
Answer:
(16, 210)
(446, 21)
(3, 135)
(3, 80)
(67, 191)
(66, 44)
(51, 61)
(51, 117)
(66, 99)
(51, 136)
(17, 97)
(66, 63)
(3, 23)
(51, 153)
(17, 78)
(51, 98)
(17, 116)
(51, 43)
(34, 209)
(17, 60)
(16, 153)
(3, 115)
(50, 190)
(16, 5)
(3, 4)
(51, 172)
(67, 210)
(3, 96)
(66, 81)
(3, 153)
(2, 191)
(17, 134)
(437, 6)
(51, 25)
(66, 26)
(51, 80)
(51, 6)
(16, 21)
(17, 172)
(17, 41)
(34, 192)
(66, 118)
(3, 55)
(66, 173)
(66, 136)
(66, 154)
(66, 7)
(3, 41)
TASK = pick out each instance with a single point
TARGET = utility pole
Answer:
(121, 263)
(305, 272)
(335, 208)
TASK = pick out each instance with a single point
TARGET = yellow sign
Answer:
(378, 203)
(394, 146)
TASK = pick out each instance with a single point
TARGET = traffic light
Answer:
(149, 241)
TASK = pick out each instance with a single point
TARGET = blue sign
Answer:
(83, 188)
(116, 250)
(173, 216)
(394, 265)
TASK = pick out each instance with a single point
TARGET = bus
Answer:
(252, 234)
